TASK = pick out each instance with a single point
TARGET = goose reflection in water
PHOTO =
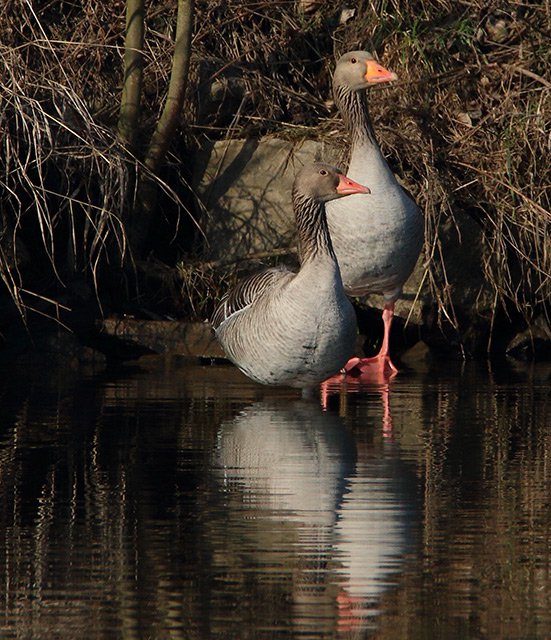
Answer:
(304, 500)
(368, 380)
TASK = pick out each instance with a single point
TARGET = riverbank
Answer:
(464, 130)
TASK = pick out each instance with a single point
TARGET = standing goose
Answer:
(377, 240)
(285, 328)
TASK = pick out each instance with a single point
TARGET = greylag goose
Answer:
(285, 328)
(377, 240)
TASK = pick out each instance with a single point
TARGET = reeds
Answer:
(63, 178)
(466, 129)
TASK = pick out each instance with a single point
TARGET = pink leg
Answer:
(388, 315)
(381, 364)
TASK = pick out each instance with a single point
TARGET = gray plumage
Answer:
(377, 238)
(286, 328)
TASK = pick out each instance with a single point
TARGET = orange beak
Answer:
(347, 187)
(376, 73)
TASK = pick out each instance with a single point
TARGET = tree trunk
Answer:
(147, 190)
(129, 116)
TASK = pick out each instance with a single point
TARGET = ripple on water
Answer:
(187, 502)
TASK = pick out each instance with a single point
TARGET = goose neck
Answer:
(354, 110)
(313, 232)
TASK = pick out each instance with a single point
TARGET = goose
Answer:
(295, 329)
(377, 240)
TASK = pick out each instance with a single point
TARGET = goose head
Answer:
(358, 70)
(314, 186)
(322, 183)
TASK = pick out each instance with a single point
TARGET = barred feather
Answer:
(247, 291)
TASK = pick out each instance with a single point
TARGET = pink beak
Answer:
(347, 186)
(376, 73)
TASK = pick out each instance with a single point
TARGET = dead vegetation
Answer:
(467, 130)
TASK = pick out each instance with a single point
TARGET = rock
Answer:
(419, 353)
(53, 347)
(244, 189)
(190, 339)
(532, 344)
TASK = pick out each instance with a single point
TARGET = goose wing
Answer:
(247, 291)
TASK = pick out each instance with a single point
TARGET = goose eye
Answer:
(353, 60)
(323, 172)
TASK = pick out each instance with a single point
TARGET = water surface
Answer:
(176, 501)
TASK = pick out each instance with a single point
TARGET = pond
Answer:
(170, 500)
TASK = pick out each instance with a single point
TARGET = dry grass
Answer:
(66, 183)
(466, 129)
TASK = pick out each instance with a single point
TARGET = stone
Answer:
(244, 191)
(190, 339)
(534, 343)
